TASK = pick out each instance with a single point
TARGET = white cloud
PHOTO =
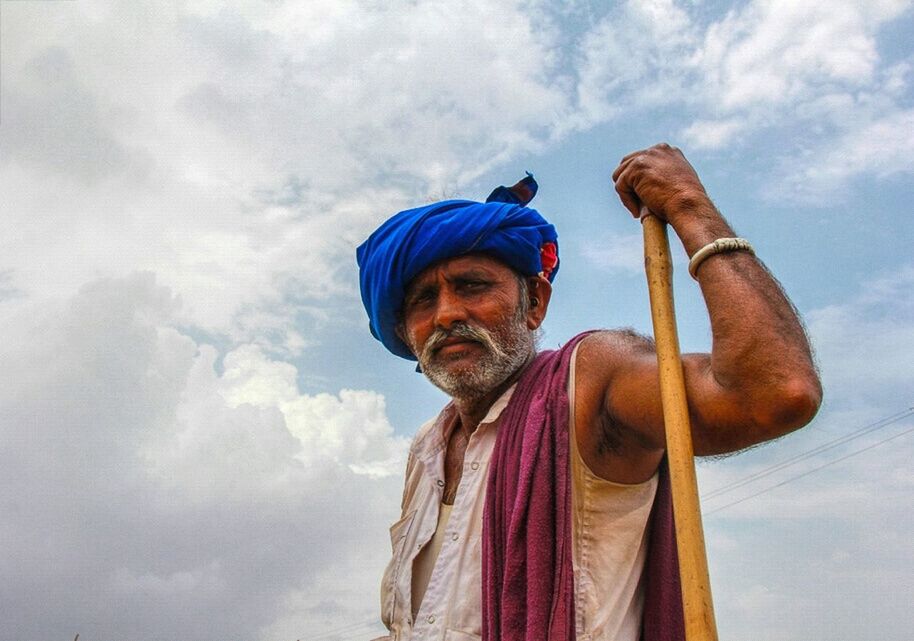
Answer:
(880, 148)
(318, 610)
(241, 153)
(133, 473)
(775, 52)
(711, 134)
(632, 59)
(350, 429)
(807, 74)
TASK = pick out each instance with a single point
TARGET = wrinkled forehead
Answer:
(467, 265)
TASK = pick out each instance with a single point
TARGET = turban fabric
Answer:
(414, 239)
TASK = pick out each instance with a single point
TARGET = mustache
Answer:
(457, 330)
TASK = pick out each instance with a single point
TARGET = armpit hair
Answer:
(624, 338)
(629, 337)
(609, 436)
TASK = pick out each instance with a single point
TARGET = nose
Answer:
(450, 309)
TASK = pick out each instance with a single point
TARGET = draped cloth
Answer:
(412, 240)
(528, 576)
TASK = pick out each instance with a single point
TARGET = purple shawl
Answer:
(528, 579)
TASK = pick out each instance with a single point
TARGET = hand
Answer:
(661, 179)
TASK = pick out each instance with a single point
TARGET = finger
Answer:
(623, 165)
(630, 201)
(633, 154)
(628, 184)
(628, 196)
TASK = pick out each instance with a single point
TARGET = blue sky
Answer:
(198, 437)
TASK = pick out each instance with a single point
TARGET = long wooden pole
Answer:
(698, 608)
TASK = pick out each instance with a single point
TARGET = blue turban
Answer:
(414, 239)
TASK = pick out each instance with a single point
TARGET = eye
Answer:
(420, 298)
(473, 285)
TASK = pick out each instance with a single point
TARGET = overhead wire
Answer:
(863, 431)
(808, 472)
(346, 630)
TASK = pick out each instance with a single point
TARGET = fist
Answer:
(661, 179)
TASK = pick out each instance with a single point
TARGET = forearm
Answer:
(760, 353)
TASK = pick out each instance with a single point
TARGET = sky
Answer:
(199, 439)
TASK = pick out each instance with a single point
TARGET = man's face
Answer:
(466, 320)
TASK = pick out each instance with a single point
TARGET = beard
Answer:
(507, 347)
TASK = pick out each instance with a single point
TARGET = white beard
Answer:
(507, 348)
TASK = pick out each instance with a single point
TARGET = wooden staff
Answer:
(697, 607)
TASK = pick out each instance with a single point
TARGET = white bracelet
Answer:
(717, 247)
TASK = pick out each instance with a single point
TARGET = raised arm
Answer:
(759, 381)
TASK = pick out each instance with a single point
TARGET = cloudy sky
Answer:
(199, 440)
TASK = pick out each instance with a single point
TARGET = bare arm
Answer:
(758, 382)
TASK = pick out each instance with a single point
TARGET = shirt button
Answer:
(440, 483)
(455, 536)
(474, 465)
(431, 618)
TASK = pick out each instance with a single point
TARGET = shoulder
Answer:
(424, 429)
(432, 431)
(423, 445)
(620, 337)
(612, 347)
(606, 355)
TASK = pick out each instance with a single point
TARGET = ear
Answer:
(539, 289)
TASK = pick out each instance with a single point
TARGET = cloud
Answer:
(880, 148)
(55, 123)
(771, 53)
(711, 134)
(133, 473)
(809, 76)
(631, 59)
(241, 153)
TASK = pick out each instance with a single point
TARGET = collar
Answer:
(432, 436)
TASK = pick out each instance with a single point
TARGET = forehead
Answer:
(479, 264)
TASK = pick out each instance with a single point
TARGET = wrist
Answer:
(719, 246)
(697, 222)
(688, 207)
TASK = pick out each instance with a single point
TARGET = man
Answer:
(536, 505)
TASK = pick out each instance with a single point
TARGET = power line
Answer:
(808, 472)
(863, 431)
(348, 630)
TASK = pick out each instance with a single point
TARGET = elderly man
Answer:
(536, 505)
